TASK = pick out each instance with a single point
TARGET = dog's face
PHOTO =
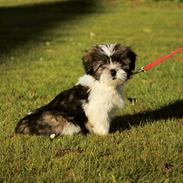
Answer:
(111, 64)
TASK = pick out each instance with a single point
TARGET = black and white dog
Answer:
(87, 106)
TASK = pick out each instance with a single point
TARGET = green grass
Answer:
(40, 55)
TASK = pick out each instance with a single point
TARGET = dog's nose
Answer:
(113, 72)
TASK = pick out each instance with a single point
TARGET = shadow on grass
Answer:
(173, 110)
(20, 24)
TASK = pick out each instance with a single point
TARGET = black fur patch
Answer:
(51, 118)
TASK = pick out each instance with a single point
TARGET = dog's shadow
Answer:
(173, 110)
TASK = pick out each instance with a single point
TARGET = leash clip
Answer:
(139, 71)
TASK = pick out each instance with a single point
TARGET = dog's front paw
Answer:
(97, 130)
(101, 131)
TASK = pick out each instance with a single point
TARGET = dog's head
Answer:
(110, 63)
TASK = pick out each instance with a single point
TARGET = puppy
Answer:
(87, 106)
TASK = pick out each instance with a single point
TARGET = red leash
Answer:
(156, 62)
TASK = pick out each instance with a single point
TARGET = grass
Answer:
(41, 47)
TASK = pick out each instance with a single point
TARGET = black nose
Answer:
(113, 72)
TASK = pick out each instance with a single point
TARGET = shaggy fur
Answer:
(88, 105)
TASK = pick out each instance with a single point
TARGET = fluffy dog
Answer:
(87, 106)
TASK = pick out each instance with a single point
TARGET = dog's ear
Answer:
(126, 53)
(132, 57)
(87, 62)
(128, 57)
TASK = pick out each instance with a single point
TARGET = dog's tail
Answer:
(29, 124)
(22, 127)
(26, 124)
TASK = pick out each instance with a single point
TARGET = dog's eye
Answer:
(100, 65)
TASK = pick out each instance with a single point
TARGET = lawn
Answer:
(41, 45)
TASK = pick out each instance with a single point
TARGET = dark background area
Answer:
(19, 24)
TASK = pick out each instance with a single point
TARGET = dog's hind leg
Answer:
(46, 123)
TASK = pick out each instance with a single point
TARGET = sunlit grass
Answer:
(147, 140)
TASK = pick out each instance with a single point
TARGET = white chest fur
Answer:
(102, 99)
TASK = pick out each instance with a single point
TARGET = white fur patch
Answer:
(86, 80)
(102, 99)
(31, 112)
(108, 49)
(71, 129)
(52, 136)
